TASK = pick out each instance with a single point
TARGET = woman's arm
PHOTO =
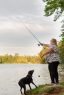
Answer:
(42, 44)
(48, 51)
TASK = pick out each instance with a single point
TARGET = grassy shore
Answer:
(48, 90)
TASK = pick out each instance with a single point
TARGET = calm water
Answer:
(11, 73)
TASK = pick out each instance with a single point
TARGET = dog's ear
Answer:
(31, 71)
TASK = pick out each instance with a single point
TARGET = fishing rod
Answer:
(32, 35)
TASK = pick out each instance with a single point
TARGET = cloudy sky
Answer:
(15, 16)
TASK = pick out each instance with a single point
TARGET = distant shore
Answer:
(20, 59)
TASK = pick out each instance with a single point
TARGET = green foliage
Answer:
(54, 6)
(62, 37)
(61, 48)
(47, 90)
(62, 83)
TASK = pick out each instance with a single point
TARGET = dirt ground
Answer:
(57, 91)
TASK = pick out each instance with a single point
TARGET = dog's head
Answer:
(31, 72)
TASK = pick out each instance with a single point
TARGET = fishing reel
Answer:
(38, 44)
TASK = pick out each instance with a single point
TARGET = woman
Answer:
(52, 57)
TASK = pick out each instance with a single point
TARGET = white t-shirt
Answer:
(52, 57)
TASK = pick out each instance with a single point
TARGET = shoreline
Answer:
(48, 89)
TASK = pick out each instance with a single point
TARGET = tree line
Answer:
(16, 59)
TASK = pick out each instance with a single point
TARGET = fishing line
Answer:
(31, 33)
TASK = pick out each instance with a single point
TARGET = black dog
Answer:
(26, 80)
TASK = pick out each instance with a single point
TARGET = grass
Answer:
(48, 90)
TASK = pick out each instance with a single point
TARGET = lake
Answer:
(10, 74)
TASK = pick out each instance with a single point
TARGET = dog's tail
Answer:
(19, 83)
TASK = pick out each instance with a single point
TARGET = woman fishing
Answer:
(52, 57)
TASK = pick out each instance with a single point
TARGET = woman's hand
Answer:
(42, 44)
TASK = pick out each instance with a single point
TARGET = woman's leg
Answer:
(51, 71)
(56, 71)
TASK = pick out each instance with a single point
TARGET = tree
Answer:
(61, 48)
(62, 29)
(54, 6)
(62, 44)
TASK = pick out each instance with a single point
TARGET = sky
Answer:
(18, 15)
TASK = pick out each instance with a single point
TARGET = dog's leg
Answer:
(21, 90)
(34, 84)
(25, 90)
(29, 86)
